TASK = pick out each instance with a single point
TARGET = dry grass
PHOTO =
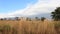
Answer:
(30, 27)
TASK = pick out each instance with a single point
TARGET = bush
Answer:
(43, 18)
(1, 19)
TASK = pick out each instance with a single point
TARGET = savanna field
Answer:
(29, 27)
(29, 16)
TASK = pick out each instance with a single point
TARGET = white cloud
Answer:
(42, 6)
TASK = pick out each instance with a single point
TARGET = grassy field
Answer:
(29, 27)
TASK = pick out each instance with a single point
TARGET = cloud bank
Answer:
(41, 6)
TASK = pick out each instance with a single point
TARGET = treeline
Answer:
(24, 18)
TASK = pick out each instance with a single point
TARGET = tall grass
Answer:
(29, 27)
(57, 27)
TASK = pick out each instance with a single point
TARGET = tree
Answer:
(28, 19)
(17, 18)
(56, 14)
(1, 19)
(43, 18)
(37, 18)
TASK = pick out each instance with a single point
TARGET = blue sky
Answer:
(13, 8)
(13, 5)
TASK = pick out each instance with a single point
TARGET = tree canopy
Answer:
(56, 14)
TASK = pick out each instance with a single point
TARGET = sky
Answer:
(13, 5)
(12, 8)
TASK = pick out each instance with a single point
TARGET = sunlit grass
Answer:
(30, 27)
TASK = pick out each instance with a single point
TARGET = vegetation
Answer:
(56, 14)
(1, 29)
(37, 18)
(6, 29)
(14, 31)
(28, 19)
(43, 18)
(31, 27)
(57, 27)
(17, 18)
(1, 19)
